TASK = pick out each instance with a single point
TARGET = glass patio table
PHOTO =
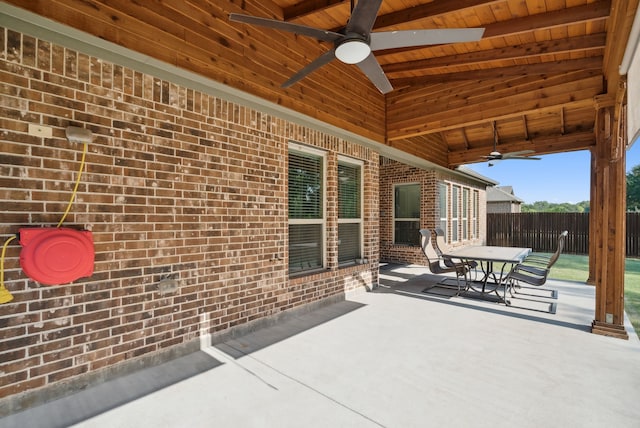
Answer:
(496, 264)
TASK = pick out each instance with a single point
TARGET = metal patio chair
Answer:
(534, 270)
(437, 264)
(440, 243)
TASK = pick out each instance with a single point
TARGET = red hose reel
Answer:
(53, 256)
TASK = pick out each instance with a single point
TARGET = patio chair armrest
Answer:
(535, 270)
(450, 262)
(528, 278)
(537, 260)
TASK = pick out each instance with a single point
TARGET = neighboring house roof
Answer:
(476, 176)
(502, 194)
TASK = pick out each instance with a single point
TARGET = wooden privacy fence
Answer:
(540, 231)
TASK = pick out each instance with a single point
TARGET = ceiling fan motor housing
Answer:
(53, 256)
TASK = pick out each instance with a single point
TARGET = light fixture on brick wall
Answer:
(168, 286)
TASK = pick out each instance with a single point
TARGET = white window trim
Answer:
(475, 200)
(360, 220)
(393, 208)
(455, 216)
(471, 218)
(300, 148)
(466, 227)
(444, 186)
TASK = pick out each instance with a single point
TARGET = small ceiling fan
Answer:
(355, 43)
(495, 156)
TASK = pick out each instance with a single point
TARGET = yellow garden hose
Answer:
(75, 188)
(5, 296)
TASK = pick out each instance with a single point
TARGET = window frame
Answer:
(474, 213)
(443, 208)
(466, 192)
(345, 160)
(406, 219)
(455, 213)
(322, 220)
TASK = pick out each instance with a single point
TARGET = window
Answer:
(407, 214)
(474, 214)
(455, 213)
(460, 213)
(306, 209)
(349, 211)
(465, 213)
(442, 207)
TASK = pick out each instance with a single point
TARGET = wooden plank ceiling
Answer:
(528, 84)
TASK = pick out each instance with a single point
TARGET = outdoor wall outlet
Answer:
(609, 318)
(40, 131)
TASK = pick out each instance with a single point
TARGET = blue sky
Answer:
(562, 177)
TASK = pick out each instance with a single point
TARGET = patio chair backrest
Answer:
(427, 247)
(561, 240)
(440, 240)
(436, 263)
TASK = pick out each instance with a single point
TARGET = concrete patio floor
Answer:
(394, 357)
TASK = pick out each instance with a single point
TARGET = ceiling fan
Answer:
(495, 156)
(355, 43)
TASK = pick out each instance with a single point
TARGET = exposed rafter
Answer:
(545, 68)
(308, 7)
(587, 43)
(543, 21)
(524, 127)
(545, 144)
(429, 10)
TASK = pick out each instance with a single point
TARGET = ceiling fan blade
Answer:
(363, 17)
(410, 38)
(518, 153)
(323, 59)
(327, 36)
(520, 158)
(374, 72)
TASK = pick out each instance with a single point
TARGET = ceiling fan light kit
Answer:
(353, 51)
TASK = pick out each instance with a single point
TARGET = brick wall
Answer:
(392, 173)
(178, 184)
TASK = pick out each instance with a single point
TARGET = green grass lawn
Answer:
(576, 268)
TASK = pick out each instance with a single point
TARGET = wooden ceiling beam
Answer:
(309, 7)
(540, 145)
(525, 126)
(618, 28)
(434, 99)
(543, 68)
(522, 51)
(558, 18)
(468, 118)
(542, 21)
(429, 10)
(403, 123)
